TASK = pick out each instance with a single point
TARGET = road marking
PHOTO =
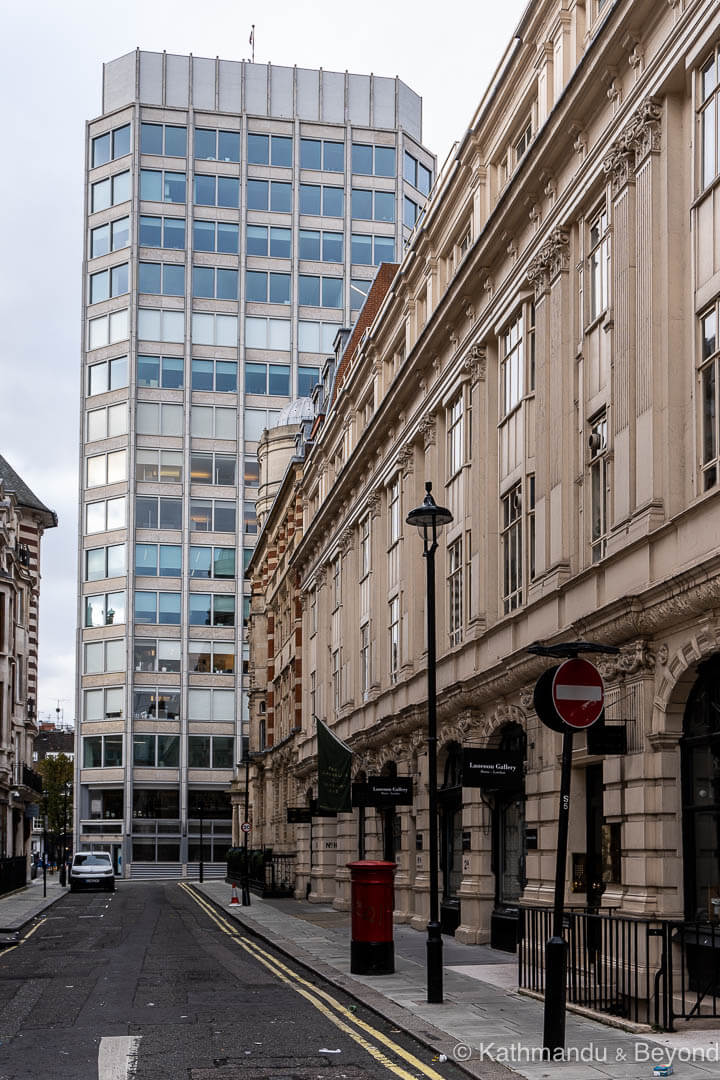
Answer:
(118, 1057)
(313, 993)
(22, 940)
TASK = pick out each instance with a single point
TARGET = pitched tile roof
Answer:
(25, 497)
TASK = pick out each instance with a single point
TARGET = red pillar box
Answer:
(372, 951)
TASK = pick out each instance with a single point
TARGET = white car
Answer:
(92, 870)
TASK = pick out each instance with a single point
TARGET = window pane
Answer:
(332, 289)
(201, 421)
(100, 241)
(151, 139)
(199, 705)
(257, 240)
(257, 194)
(173, 280)
(310, 244)
(121, 188)
(384, 161)
(204, 235)
(279, 380)
(223, 752)
(100, 150)
(228, 146)
(224, 562)
(362, 158)
(146, 559)
(200, 561)
(332, 247)
(145, 607)
(203, 281)
(308, 336)
(101, 195)
(361, 249)
(172, 375)
(168, 753)
(255, 379)
(148, 371)
(92, 752)
(121, 141)
(169, 609)
(258, 146)
(424, 179)
(223, 610)
(170, 513)
(310, 199)
(144, 750)
(226, 376)
(120, 233)
(116, 560)
(334, 156)
(174, 187)
(281, 151)
(255, 423)
(361, 203)
(225, 463)
(309, 290)
(200, 515)
(150, 185)
(116, 513)
(94, 664)
(278, 334)
(201, 468)
(384, 206)
(205, 190)
(226, 330)
(384, 249)
(227, 238)
(307, 379)
(279, 288)
(95, 564)
(202, 374)
(227, 284)
(279, 242)
(170, 562)
(310, 154)
(175, 141)
(150, 277)
(199, 613)
(280, 197)
(198, 751)
(228, 191)
(174, 234)
(333, 202)
(205, 142)
(225, 423)
(99, 287)
(224, 516)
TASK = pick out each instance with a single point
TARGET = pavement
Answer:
(484, 1023)
(19, 908)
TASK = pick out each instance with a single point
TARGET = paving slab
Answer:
(19, 908)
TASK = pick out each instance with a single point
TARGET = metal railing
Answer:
(269, 874)
(646, 970)
(24, 776)
(12, 873)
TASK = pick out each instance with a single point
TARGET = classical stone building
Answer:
(547, 355)
(23, 520)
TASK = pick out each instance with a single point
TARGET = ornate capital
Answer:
(634, 658)
(347, 537)
(552, 259)
(640, 137)
(372, 505)
(406, 459)
(475, 361)
(428, 430)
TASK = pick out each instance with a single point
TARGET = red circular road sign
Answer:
(578, 693)
(245, 826)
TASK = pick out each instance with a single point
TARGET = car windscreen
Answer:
(90, 859)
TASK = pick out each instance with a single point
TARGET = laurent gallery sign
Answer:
(491, 769)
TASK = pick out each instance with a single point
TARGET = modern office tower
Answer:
(236, 214)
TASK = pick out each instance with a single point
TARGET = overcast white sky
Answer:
(51, 57)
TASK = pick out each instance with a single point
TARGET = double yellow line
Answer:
(325, 1003)
(31, 931)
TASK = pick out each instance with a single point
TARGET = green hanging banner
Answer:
(334, 759)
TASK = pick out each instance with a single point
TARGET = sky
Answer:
(51, 57)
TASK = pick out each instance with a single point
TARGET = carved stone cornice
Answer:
(475, 361)
(552, 259)
(406, 459)
(635, 657)
(428, 430)
(640, 137)
(347, 539)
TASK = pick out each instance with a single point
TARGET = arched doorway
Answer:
(700, 770)
(450, 808)
(508, 845)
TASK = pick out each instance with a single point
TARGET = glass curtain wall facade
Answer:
(236, 215)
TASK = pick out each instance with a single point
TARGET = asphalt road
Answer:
(149, 983)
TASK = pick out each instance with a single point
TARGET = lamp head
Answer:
(429, 518)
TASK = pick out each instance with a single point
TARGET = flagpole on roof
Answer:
(252, 42)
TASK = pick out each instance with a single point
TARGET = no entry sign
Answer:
(578, 693)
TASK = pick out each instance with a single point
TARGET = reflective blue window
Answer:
(227, 237)
(100, 241)
(175, 141)
(227, 284)
(205, 142)
(256, 286)
(279, 242)
(279, 382)
(332, 247)
(281, 151)
(145, 607)
(279, 288)
(174, 233)
(361, 203)
(170, 562)
(308, 377)
(120, 233)
(202, 374)
(309, 290)
(151, 185)
(334, 156)
(150, 233)
(174, 188)
(119, 280)
(121, 141)
(362, 159)
(384, 250)
(199, 609)
(150, 277)
(200, 562)
(172, 372)
(333, 201)
(169, 608)
(257, 194)
(384, 161)
(258, 146)
(255, 379)
(257, 240)
(205, 190)
(384, 206)
(151, 139)
(228, 191)
(309, 198)
(203, 281)
(280, 197)
(101, 150)
(332, 291)
(148, 371)
(173, 280)
(146, 560)
(204, 235)
(310, 244)
(228, 146)
(310, 154)
(226, 376)
(361, 249)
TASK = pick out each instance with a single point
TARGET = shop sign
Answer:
(298, 815)
(492, 770)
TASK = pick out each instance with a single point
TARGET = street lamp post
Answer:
(63, 865)
(245, 890)
(429, 518)
(201, 869)
(45, 824)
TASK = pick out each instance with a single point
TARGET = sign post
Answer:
(576, 702)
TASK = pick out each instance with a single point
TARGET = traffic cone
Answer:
(234, 898)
